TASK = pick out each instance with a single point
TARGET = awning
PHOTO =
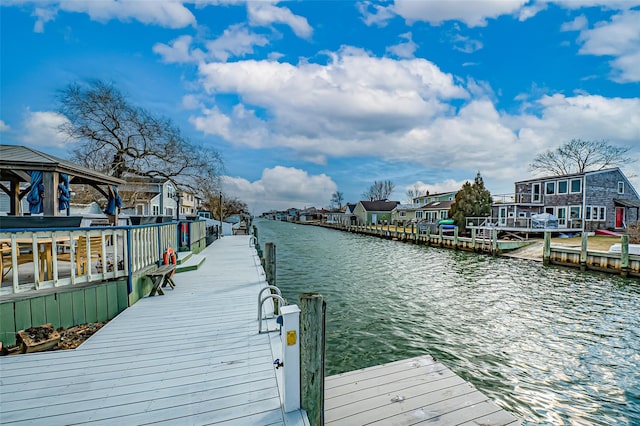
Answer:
(627, 203)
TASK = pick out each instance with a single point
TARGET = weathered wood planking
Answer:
(414, 391)
(193, 356)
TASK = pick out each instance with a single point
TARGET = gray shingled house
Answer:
(602, 199)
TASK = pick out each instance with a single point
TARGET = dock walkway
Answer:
(192, 356)
(413, 391)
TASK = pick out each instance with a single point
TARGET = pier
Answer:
(192, 356)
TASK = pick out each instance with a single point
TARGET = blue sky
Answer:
(306, 98)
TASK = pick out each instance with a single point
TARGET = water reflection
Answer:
(552, 345)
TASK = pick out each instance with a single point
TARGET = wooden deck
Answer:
(414, 391)
(192, 356)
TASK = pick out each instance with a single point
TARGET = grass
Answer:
(597, 242)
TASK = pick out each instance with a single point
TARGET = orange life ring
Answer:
(169, 256)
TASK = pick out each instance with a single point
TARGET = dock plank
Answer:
(414, 391)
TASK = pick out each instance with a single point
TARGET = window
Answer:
(535, 192)
(620, 187)
(574, 212)
(156, 210)
(562, 216)
(576, 186)
(443, 214)
(595, 213)
(418, 215)
(403, 214)
(550, 188)
(563, 187)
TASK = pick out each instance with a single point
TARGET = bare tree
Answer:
(413, 193)
(120, 138)
(379, 191)
(337, 198)
(578, 156)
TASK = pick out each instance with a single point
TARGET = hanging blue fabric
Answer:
(36, 192)
(63, 189)
(114, 202)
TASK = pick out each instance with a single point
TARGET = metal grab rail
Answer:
(267, 297)
(253, 241)
(269, 287)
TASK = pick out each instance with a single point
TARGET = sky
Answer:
(306, 98)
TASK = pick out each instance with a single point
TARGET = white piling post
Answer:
(291, 357)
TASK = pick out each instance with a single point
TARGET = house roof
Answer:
(627, 202)
(15, 159)
(570, 175)
(349, 208)
(379, 206)
(438, 205)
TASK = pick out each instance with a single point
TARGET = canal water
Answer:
(551, 345)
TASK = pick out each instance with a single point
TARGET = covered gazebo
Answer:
(52, 175)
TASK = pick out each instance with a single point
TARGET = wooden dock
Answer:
(413, 391)
(192, 356)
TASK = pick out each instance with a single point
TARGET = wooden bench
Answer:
(162, 277)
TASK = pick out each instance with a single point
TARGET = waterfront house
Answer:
(374, 212)
(602, 199)
(435, 197)
(348, 217)
(144, 196)
(404, 214)
(308, 215)
(435, 211)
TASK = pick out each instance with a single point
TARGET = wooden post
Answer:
(546, 252)
(455, 238)
(583, 251)
(473, 238)
(494, 241)
(624, 256)
(441, 236)
(312, 341)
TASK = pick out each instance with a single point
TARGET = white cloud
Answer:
(404, 50)
(281, 188)
(400, 111)
(578, 24)
(353, 94)
(374, 14)
(620, 38)
(584, 116)
(178, 51)
(265, 14)
(236, 41)
(41, 129)
(4, 127)
(472, 13)
(466, 44)
(168, 13)
(435, 188)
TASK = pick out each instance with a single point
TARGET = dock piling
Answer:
(312, 351)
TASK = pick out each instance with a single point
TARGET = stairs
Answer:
(188, 261)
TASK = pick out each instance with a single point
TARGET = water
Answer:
(551, 345)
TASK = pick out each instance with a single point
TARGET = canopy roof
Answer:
(15, 161)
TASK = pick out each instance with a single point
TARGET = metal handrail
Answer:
(267, 297)
(269, 287)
